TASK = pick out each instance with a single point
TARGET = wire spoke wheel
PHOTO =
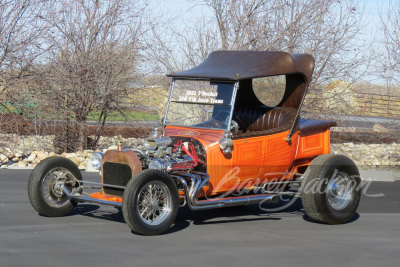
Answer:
(150, 202)
(154, 203)
(45, 186)
(52, 186)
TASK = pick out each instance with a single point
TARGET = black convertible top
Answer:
(242, 65)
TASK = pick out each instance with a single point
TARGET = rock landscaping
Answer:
(30, 150)
(370, 155)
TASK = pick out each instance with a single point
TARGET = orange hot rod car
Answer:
(231, 136)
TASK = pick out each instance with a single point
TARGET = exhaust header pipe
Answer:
(197, 183)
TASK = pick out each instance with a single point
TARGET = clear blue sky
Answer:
(373, 9)
(371, 13)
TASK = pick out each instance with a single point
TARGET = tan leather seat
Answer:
(262, 120)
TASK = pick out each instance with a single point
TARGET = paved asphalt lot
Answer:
(94, 235)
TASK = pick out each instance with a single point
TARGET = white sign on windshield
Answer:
(204, 93)
(201, 97)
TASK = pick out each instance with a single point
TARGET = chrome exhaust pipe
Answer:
(197, 184)
(235, 201)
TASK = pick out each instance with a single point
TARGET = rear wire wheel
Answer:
(150, 202)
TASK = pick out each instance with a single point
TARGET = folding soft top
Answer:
(242, 65)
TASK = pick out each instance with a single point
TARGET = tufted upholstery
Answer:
(262, 120)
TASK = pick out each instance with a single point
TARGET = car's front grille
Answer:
(116, 174)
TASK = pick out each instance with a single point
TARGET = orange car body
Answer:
(259, 159)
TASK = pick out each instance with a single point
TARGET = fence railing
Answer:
(378, 105)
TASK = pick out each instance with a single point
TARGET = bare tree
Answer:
(92, 63)
(390, 59)
(327, 29)
(20, 45)
(20, 39)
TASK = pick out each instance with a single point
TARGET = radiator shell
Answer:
(117, 168)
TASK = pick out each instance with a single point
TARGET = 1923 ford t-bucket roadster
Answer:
(219, 145)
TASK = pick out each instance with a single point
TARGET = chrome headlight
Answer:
(96, 160)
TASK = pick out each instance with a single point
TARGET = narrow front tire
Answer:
(150, 202)
(45, 186)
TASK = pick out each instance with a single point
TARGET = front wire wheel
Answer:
(150, 202)
(154, 203)
(45, 186)
(52, 184)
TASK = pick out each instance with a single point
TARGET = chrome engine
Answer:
(170, 154)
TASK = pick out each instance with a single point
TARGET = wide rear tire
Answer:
(331, 189)
(150, 202)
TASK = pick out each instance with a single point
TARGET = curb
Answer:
(379, 175)
(18, 168)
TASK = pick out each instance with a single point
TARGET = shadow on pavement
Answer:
(288, 207)
(355, 218)
(101, 212)
(254, 212)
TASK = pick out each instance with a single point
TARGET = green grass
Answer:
(127, 116)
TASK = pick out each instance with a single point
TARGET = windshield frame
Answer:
(232, 102)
